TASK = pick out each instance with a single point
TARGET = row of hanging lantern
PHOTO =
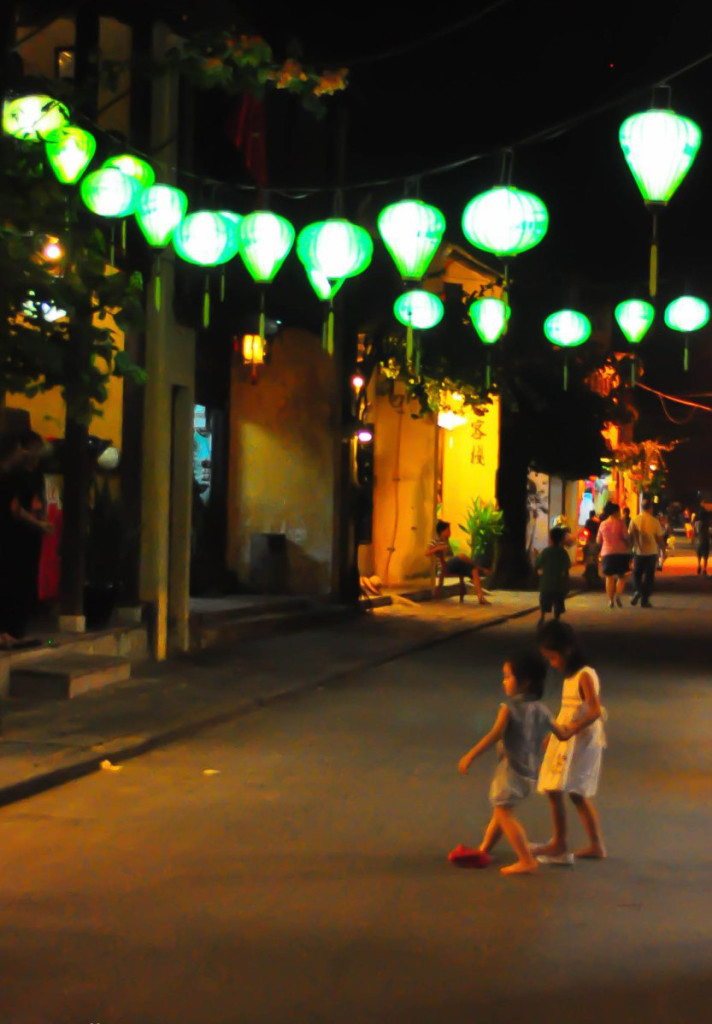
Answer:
(658, 145)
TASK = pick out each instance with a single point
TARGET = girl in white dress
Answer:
(572, 765)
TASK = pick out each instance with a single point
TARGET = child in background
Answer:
(553, 565)
(522, 724)
(572, 763)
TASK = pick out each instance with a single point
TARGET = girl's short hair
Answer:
(560, 637)
(529, 666)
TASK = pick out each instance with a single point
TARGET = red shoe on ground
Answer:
(468, 857)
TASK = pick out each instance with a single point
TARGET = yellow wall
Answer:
(470, 461)
(281, 475)
(47, 414)
(404, 489)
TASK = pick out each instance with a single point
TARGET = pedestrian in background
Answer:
(553, 565)
(702, 539)
(572, 765)
(646, 535)
(615, 554)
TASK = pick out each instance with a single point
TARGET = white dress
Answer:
(574, 766)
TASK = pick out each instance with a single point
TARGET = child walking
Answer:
(572, 762)
(553, 565)
(522, 723)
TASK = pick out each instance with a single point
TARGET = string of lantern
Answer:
(658, 145)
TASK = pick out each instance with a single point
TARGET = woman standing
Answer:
(615, 554)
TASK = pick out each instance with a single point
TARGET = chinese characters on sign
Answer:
(477, 455)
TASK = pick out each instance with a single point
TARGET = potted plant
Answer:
(484, 526)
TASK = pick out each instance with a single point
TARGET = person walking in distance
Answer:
(702, 539)
(647, 537)
(615, 554)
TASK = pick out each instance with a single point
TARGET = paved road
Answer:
(306, 881)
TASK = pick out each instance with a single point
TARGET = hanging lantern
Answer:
(324, 288)
(264, 242)
(659, 147)
(489, 317)
(70, 151)
(253, 349)
(132, 167)
(687, 314)
(159, 211)
(206, 238)
(109, 192)
(505, 221)
(335, 248)
(411, 231)
(634, 319)
(421, 310)
(33, 117)
(567, 329)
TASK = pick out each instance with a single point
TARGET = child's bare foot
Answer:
(550, 849)
(520, 867)
(593, 852)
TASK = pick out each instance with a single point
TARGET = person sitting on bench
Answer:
(450, 564)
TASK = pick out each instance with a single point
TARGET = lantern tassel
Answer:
(330, 332)
(488, 373)
(157, 283)
(222, 286)
(123, 236)
(653, 284)
(686, 359)
(566, 373)
(409, 344)
(633, 374)
(206, 303)
(417, 355)
(253, 368)
(505, 300)
(112, 247)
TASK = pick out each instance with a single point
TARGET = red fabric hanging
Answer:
(248, 134)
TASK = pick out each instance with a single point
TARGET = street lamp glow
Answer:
(505, 221)
(634, 318)
(659, 147)
(489, 317)
(364, 436)
(411, 231)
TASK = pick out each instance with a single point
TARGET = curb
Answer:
(88, 764)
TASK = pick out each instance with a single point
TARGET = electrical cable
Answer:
(305, 191)
(673, 398)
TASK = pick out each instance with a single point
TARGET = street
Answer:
(291, 866)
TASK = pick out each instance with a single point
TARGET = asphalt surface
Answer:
(291, 866)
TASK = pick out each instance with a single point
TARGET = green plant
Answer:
(484, 524)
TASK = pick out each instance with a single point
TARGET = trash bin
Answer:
(269, 565)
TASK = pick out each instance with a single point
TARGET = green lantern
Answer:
(489, 318)
(335, 248)
(70, 151)
(324, 288)
(687, 314)
(109, 192)
(264, 240)
(132, 167)
(659, 147)
(412, 232)
(421, 310)
(159, 211)
(206, 238)
(567, 329)
(505, 221)
(634, 318)
(33, 117)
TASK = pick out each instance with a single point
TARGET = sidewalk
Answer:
(46, 744)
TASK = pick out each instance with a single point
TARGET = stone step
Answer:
(67, 676)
